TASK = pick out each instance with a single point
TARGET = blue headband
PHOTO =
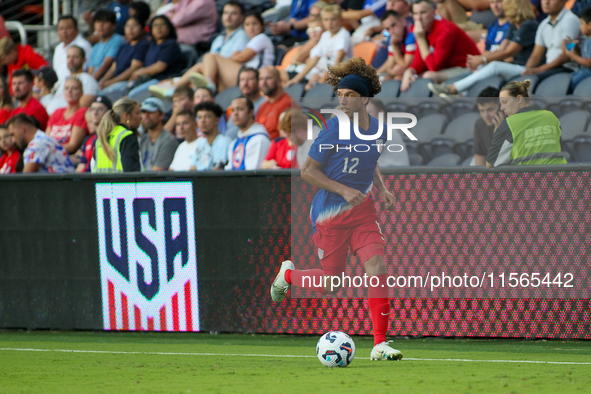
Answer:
(356, 83)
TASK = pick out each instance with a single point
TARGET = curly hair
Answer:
(354, 66)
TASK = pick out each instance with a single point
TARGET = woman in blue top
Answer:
(129, 58)
(163, 58)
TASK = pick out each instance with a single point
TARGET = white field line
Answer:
(289, 356)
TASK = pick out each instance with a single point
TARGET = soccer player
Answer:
(343, 213)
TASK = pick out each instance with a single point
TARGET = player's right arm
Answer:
(312, 174)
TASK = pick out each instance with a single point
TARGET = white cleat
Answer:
(382, 351)
(280, 286)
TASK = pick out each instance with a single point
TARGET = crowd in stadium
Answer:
(195, 85)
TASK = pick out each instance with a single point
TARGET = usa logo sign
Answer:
(148, 256)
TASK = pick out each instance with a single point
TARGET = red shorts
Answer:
(365, 240)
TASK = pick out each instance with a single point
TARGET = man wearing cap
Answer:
(90, 87)
(343, 212)
(45, 80)
(157, 145)
(94, 115)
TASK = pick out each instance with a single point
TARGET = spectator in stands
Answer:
(277, 100)
(452, 11)
(484, 128)
(67, 31)
(22, 86)
(221, 73)
(16, 56)
(194, 20)
(157, 145)
(129, 58)
(184, 155)
(212, 148)
(68, 125)
(450, 44)
(182, 100)
(298, 61)
(140, 10)
(201, 95)
(89, 84)
(11, 161)
(399, 57)
(248, 81)
(104, 52)
(121, 10)
(584, 59)
(366, 19)
(116, 148)
(293, 30)
(233, 40)
(548, 41)
(248, 150)
(41, 152)
(93, 118)
(204, 94)
(333, 48)
(6, 105)
(299, 137)
(45, 80)
(163, 59)
(282, 151)
(529, 135)
(498, 35)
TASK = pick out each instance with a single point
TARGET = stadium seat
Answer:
(494, 81)
(365, 50)
(461, 106)
(428, 107)
(464, 149)
(582, 148)
(141, 96)
(285, 62)
(296, 91)
(116, 95)
(573, 124)
(553, 86)
(189, 54)
(418, 89)
(320, 90)
(461, 129)
(279, 55)
(429, 127)
(390, 89)
(583, 88)
(533, 79)
(436, 147)
(448, 160)
(225, 97)
(415, 159)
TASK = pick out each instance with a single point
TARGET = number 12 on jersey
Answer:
(350, 168)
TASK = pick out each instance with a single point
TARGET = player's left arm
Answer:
(385, 195)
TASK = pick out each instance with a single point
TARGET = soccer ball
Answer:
(335, 349)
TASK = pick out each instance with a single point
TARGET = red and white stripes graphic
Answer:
(122, 304)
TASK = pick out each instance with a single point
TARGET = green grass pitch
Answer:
(115, 362)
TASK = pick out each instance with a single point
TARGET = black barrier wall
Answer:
(57, 269)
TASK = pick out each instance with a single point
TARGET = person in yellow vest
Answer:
(117, 148)
(528, 135)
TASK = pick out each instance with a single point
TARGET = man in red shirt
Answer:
(10, 161)
(277, 100)
(15, 57)
(22, 85)
(442, 47)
